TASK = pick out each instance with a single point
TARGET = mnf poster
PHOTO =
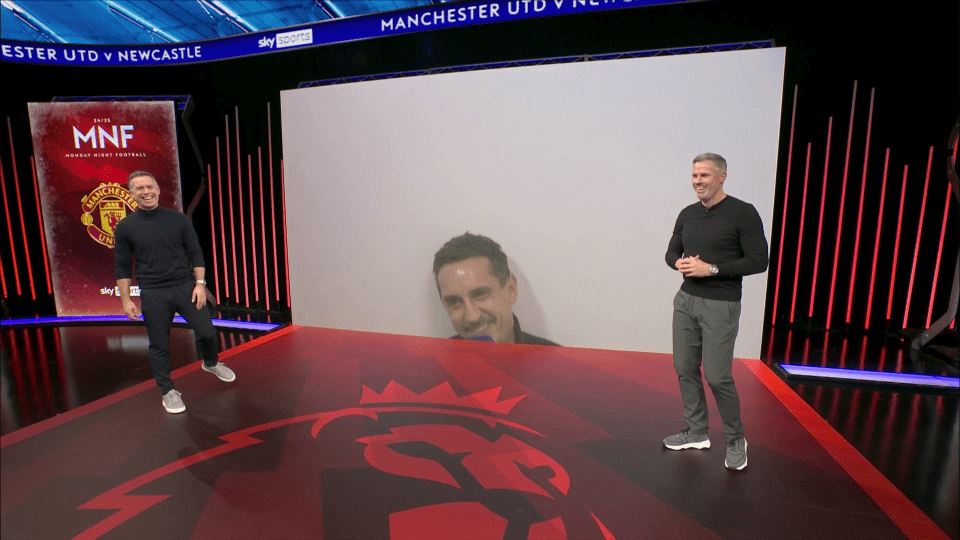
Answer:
(84, 153)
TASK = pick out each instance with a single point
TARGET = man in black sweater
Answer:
(170, 272)
(715, 242)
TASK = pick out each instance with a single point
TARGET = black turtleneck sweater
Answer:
(729, 235)
(164, 245)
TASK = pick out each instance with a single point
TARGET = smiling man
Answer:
(478, 291)
(716, 241)
(170, 272)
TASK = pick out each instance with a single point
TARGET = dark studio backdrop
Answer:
(854, 73)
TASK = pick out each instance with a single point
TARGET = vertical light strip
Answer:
(916, 249)
(286, 257)
(803, 214)
(263, 231)
(876, 243)
(13, 253)
(843, 352)
(16, 369)
(61, 370)
(223, 230)
(44, 361)
(243, 224)
(907, 459)
(843, 198)
(871, 417)
(936, 267)
(806, 352)
(852, 426)
(863, 193)
(818, 397)
(770, 339)
(253, 233)
(956, 143)
(896, 243)
(826, 349)
(835, 405)
(23, 224)
(43, 234)
(783, 213)
(863, 353)
(786, 355)
(889, 426)
(213, 231)
(233, 228)
(273, 207)
(31, 360)
(823, 205)
(3, 280)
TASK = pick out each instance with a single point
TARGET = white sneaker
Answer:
(173, 403)
(685, 440)
(221, 371)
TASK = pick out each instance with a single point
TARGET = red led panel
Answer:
(863, 191)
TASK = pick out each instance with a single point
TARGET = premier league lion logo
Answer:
(438, 466)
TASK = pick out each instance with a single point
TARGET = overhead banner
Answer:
(84, 153)
(341, 30)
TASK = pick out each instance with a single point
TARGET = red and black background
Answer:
(870, 98)
(862, 216)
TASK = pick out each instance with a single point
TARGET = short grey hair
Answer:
(717, 159)
(138, 174)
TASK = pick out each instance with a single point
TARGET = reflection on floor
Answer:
(602, 416)
(910, 435)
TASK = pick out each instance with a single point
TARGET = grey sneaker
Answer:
(172, 402)
(221, 371)
(736, 455)
(685, 439)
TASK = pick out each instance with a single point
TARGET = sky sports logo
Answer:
(288, 39)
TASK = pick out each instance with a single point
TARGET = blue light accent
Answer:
(856, 375)
(30, 20)
(89, 319)
(333, 7)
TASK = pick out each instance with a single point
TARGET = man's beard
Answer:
(484, 321)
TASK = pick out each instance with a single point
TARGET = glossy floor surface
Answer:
(338, 434)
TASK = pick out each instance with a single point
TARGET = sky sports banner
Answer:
(321, 33)
(84, 153)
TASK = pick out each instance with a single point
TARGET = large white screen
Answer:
(578, 170)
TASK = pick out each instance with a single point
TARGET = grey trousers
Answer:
(704, 332)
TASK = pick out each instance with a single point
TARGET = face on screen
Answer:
(476, 302)
(146, 191)
(708, 182)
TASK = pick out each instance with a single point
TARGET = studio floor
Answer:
(340, 434)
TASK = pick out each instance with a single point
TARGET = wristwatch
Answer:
(714, 270)
(201, 282)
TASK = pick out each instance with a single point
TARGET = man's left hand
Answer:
(199, 296)
(693, 267)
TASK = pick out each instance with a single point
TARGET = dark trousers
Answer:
(158, 307)
(704, 332)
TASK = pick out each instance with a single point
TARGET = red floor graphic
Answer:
(337, 434)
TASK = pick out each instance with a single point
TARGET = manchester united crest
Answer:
(103, 208)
